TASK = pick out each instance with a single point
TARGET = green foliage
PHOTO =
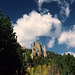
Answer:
(10, 50)
(69, 64)
(54, 64)
(45, 60)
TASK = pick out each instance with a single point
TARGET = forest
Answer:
(14, 60)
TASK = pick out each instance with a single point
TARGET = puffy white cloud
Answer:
(68, 38)
(51, 43)
(64, 7)
(71, 53)
(30, 27)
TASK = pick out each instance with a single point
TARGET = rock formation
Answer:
(36, 49)
(44, 51)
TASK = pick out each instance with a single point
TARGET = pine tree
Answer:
(10, 50)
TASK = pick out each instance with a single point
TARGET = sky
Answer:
(51, 22)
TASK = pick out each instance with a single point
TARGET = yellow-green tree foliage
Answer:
(32, 71)
(40, 70)
(45, 70)
(50, 69)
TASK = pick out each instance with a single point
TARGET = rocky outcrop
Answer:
(36, 49)
(44, 51)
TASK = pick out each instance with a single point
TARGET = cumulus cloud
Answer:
(68, 38)
(30, 27)
(51, 43)
(64, 7)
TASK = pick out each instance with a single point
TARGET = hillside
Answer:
(53, 64)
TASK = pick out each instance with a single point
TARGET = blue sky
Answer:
(51, 22)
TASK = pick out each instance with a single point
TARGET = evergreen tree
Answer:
(10, 50)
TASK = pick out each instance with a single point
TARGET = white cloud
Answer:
(64, 10)
(51, 43)
(30, 27)
(68, 38)
(71, 53)
(40, 2)
(67, 11)
(64, 7)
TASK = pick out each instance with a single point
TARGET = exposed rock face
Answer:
(44, 51)
(36, 49)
